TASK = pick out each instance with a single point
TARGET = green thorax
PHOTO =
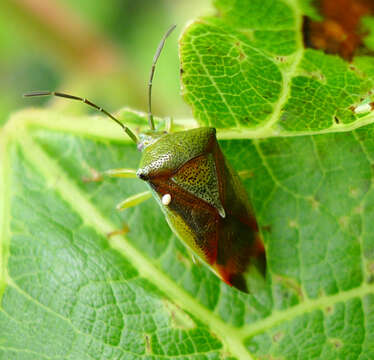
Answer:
(164, 153)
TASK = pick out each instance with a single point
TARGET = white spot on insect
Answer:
(166, 199)
(221, 212)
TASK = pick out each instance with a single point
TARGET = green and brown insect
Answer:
(200, 194)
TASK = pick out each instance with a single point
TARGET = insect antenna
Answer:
(72, 97)
(155, 58)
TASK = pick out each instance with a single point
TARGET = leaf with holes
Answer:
(287, 118)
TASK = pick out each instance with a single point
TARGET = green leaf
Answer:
(368, 23)
(247, 70)
(68, 291)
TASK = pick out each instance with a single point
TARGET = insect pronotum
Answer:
(201, 196)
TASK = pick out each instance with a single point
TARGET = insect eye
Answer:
(141, 175)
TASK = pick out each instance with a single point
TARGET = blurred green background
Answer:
(101, 50)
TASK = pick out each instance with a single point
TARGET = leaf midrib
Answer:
(289, 72)
(307, 306)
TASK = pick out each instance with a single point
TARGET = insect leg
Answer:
(195, 259)
(127, 203)
(125, 229)
(97, 176)
(134, 200)
(121, 173)
(168, 124)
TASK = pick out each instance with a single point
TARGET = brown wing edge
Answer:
(240, 244)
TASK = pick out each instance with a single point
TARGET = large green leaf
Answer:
(247, 70)
(70, 292)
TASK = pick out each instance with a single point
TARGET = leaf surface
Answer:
(247, 70)
(70, 292)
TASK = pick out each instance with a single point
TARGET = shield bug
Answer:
(200, 194)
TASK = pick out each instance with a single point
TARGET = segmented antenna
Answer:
(155, 58)
(72, 97)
